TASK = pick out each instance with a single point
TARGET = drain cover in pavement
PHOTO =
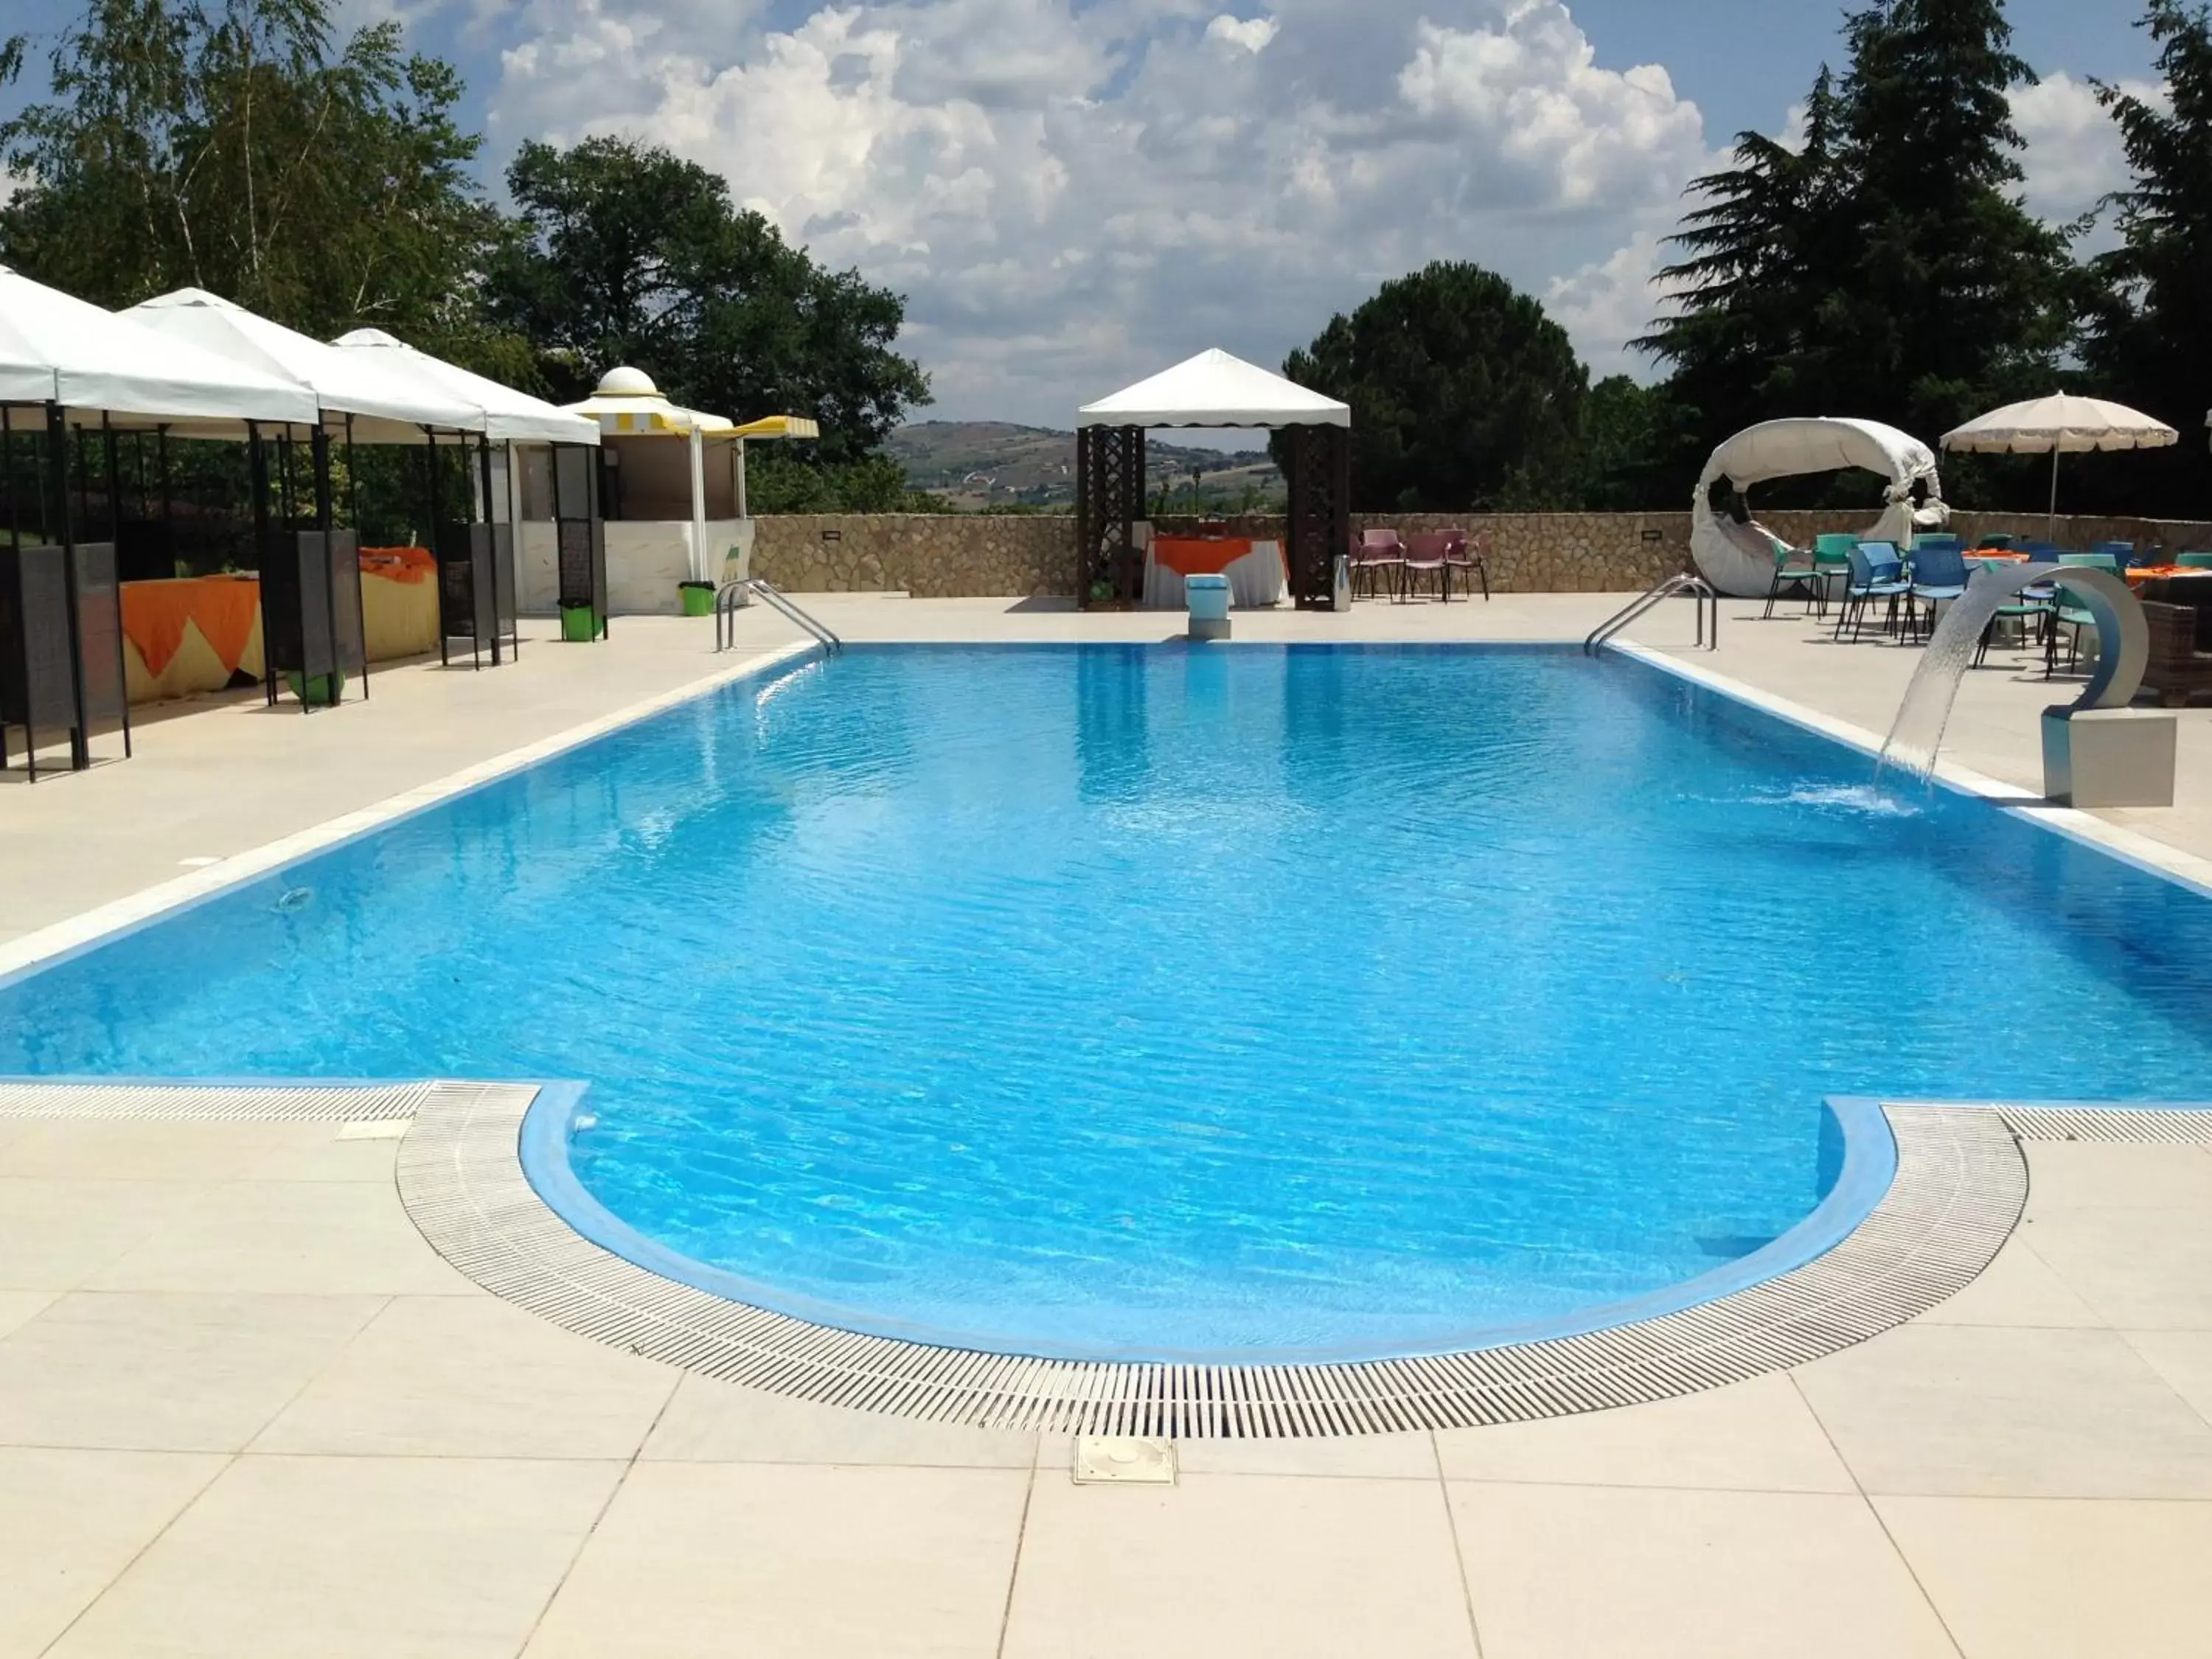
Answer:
(1102, 1458)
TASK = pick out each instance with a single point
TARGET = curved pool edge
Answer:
(1958, 1185)
(1868, 1168)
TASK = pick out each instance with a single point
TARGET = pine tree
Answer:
(2150, 340)
(1884, 268)
(1745, 339)
(1960, 297)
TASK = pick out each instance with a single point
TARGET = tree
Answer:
(627, 254)
(1886, 268)
(1754, 286)
(2150, 333)
(233, 148)
(1464, 394)
(1622, 448)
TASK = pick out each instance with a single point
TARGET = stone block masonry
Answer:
(957, 556)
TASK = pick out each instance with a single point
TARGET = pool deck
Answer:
(246, 1410)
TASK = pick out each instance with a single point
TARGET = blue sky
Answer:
(1073, 193)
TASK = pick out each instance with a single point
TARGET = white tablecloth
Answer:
(1256, 581)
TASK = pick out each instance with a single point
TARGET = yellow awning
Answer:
(776, 426)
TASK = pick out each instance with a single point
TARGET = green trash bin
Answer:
(698, 598)
(580, 623)
(321, 692)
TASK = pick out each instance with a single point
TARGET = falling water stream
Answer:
(1925, 713)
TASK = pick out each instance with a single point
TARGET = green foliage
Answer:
(776, 482)
(2149, 337)
(1887, 269)
(1623, 439)
(236, 148)
(1463, 393)
(625, 254)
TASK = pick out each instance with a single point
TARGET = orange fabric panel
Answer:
(1199, 555)
(398, 564)
(223, 608)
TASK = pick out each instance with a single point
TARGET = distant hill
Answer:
(982, 463)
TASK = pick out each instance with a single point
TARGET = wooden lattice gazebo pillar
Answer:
(1110, 500)
(1318, 462)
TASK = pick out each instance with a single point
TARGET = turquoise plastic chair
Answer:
(1832, 557)
(1794, 566)
(2067, 614)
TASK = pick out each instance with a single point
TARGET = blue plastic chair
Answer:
(1939, 575)
(1876, 573)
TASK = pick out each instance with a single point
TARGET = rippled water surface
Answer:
(1155, 1000)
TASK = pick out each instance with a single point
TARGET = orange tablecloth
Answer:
(1199, 556)
(401, 564)
(223, 608)
(2144, 573)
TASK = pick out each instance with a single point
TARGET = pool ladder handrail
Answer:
(1682, 582)
(728, 598)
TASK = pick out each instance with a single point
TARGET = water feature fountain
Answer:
(2097, 751)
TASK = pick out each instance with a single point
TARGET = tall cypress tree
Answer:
(1758, 258)
(2150, 337)
(1886, 268)
(1960, 297)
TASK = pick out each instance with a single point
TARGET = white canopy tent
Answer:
(1215, 389)
(1738, 558)
(510, 416)
(384, 407)
(1115, 552)
(57, 349)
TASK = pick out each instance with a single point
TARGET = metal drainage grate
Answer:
(1960, 1187)
(304, 1102)
(2115, 1124)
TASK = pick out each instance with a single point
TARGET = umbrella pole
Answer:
(2050, 524)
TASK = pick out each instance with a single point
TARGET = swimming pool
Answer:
(1139, 1002)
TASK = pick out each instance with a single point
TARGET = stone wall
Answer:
(930, 556)
(946, 556)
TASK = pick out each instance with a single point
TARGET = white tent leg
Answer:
(698, 506)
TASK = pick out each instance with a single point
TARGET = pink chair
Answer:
(1470, 558)
(1424, 557)
(1373, 552)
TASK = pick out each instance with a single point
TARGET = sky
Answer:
(1074, 194)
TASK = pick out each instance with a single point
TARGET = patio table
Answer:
(1255, 569)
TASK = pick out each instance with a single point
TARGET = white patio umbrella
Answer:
(2060, 425)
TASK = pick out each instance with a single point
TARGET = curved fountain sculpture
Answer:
(2131, 753)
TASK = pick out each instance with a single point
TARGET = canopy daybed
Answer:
(66, 363)
(1115, 562)
(1737, 555)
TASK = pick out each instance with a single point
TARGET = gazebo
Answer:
(1213, 389)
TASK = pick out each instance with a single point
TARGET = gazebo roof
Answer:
(509, 416)
(1215, 389)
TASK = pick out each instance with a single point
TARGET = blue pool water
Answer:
(1154, 1000)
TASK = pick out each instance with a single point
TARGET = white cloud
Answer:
(1074, 196)
(1250, 35)
(2074, 158)
(1609, 302)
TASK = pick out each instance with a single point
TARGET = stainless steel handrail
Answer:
(1702, 590)
(726, 613)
